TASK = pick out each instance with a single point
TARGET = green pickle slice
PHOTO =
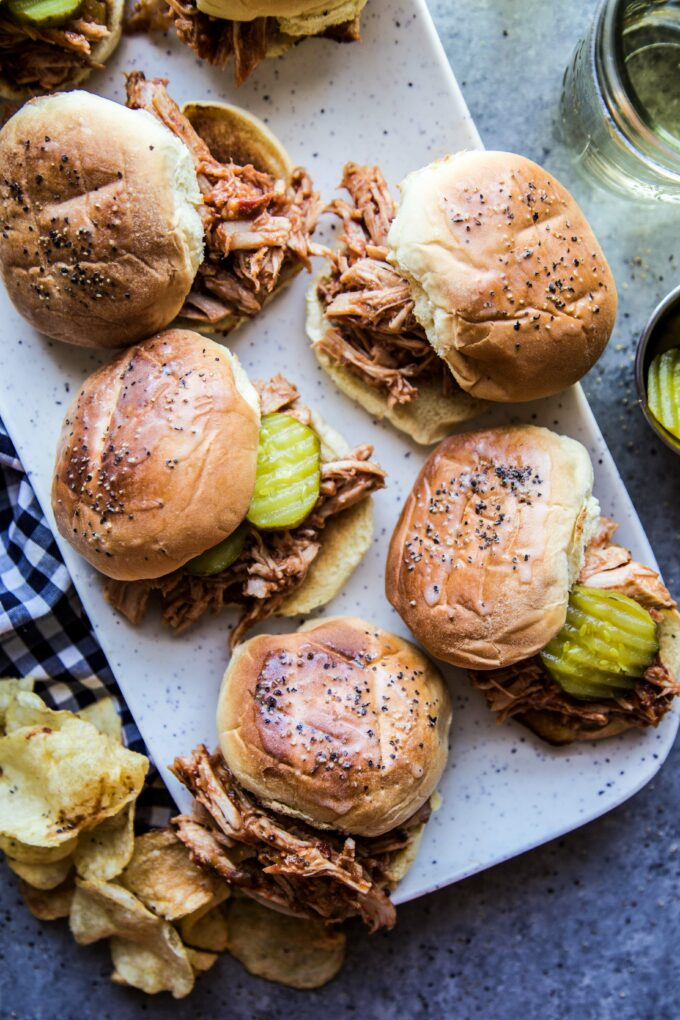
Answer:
(221, 556)
(606, 644)
(43, 13)
(663, 390)
(288, 478)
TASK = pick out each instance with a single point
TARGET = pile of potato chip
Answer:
(68, 788)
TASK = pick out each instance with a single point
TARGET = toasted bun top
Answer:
(99, 53)
(157, 456)
(102, 236)
(342, 724)
(509, 281)
(489, 542)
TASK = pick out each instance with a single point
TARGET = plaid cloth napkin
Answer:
(44, 631)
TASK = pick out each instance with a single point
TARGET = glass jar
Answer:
(620, 107)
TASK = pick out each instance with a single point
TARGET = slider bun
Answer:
(560, 729)
(101, 51)
(489, 542)
(103, 238)
(345, 539)
(508, 278)
(321, 13)
(294, 707)
(157, 456)
(234, 135)
(427, 419)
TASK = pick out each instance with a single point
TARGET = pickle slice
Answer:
(288, 478)
(663, 390)
(605, 645)
(43, 13)
(221, 556)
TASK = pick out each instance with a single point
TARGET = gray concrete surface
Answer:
(585, 928)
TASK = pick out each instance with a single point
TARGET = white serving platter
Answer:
(391, 100)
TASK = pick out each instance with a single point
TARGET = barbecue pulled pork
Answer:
(527, 686)
(282, 862)
(248, 42)
(44, 59)
(256, 228)
(373, 330)
(273, 563)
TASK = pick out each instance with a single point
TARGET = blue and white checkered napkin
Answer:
(44, 631)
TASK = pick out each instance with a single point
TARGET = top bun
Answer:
(102, 236)
(157, 456)
(510, 284)
(341, 724)
(489, 542)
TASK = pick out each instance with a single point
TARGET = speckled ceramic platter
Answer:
(391, 100)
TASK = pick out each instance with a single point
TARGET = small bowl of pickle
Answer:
(657, 370)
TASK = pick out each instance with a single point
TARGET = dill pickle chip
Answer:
(221, 556)
(43, 13)
(288, 478)
(606, 643)
(663, 390)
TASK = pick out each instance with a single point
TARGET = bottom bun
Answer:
(345, 540)
(429, 418)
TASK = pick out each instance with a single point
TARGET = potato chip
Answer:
(51, 904)
(59, 775)
(42, 876)
(163, 968)
(147, 951)
(36, 854)
(199, 960)
(104, 851)
(205, 929)
(294, 952)
(9, 687)
(103, 714)
(163, 876)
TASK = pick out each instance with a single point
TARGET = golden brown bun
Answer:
(157, 456)
(296, 17)
(101, 51)
(345, 540)
(489, 542)
(559, 729)
(234, 135)
(103, 238)
(341, 724)
(509, 281)
(427, 419)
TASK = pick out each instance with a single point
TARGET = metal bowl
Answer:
(651, 343)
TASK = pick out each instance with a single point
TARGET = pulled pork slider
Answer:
(332, 740)
(501, 563)
(216, 30)
(486, 283)
(120, 220)
(44, 47)
(175, 474)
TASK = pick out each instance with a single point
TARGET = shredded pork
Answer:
(48, 58)
(282, 862)
(273, 564)
(527, 686)
(374, 331)
(257, 228)
(217, 40)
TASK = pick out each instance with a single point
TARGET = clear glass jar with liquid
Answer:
(620, 107)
